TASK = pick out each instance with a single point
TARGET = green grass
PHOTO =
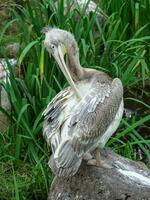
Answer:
(19, 177)
(120, 48)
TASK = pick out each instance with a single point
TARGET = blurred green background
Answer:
(120, 47)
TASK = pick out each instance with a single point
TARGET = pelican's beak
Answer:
(59, 57)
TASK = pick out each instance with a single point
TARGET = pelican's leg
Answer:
(98, 161)
(98, 157)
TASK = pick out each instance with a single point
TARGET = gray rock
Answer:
(122, 179)
(12, 50)
(4, 100)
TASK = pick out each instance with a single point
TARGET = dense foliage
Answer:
(121, 47)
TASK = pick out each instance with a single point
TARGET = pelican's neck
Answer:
(74, 67)
(73, 62)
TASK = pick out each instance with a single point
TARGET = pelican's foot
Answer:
(93, 162)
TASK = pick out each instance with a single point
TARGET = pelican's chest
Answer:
(84, 87)
(72, 101)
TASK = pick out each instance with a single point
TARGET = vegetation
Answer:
(121, 47)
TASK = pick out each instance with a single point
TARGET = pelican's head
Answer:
(54, 41)
(58, 42)
(58, 39)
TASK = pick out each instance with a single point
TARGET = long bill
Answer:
(61, 62)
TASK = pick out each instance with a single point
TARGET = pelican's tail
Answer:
(64, 172)
(65, 161)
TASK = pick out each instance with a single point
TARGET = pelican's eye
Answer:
(52, 48)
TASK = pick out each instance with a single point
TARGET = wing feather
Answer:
(52, 118)
(94, 114)
(88, 121)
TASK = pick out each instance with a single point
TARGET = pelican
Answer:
(82, 117)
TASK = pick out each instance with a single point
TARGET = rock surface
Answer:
(4, 100)
(12, 50)
(122, 179)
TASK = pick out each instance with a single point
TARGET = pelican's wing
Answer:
(52, 115)
(94, 114)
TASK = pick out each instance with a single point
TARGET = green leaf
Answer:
(26, 50)
(5, 28)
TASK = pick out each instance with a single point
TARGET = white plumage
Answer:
(81, 117)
